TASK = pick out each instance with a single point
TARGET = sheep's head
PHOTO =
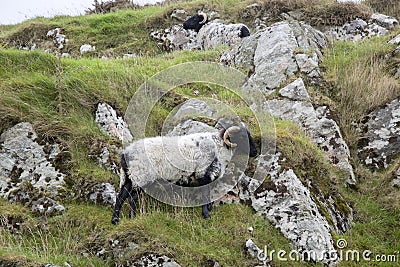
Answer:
(240, 139)
(195, 22)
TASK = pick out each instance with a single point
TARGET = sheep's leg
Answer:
(206, 197)
(122, 196)
(134, 196)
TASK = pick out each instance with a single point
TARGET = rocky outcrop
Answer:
(176, 38)
(358, 29)
(112, 124)
(289, 205)
(381, 136)
(277, 54)
(24, 161)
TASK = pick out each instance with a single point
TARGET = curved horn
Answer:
(204, 16)
(233, 129)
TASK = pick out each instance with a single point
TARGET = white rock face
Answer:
(215, 33)
(111, 124)
(86, 48)
(316, 123)
(385, 21)
(22, 159)
(286, 202)
(381, 142)
(273, 53)
(295, 91)
(59, 39)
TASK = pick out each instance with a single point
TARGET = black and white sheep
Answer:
(201, 157)
(213, 33)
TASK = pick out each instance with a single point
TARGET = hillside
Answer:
(326, 76)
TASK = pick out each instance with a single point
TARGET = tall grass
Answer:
(360, 81)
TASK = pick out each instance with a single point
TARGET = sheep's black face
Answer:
(244, 141)
(194, 23)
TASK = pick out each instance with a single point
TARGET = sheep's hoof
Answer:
(114, 221)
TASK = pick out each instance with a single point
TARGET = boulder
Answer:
(24, 161)
(385, 21)
(112, 124)
(85, 48)
(380, 144)
(289, 205)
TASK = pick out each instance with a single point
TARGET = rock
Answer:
(323, 131)
(272, 54)
(59, 38)
(66, 55)
(287, 203)
(180, 15)
(395, 40)
(23, 160)
(86, 48)
(176, 38)
(358, 29)
(194, 108)
(214, 34)
(295, 91)
(153, 260)
(47, 206)
(113, 125)
(381, 136)
(190, 127)
(128, 56)
(255, 252)
(103, 193)
(385, 21)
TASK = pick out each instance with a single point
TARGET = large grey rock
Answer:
(385, 21)
(215, 33)
(274, 54)
(316, 123)
(112, 124)
(295, 91)
(23, 160)
(381, 131)
(289, 205)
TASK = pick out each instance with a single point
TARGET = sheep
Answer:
(182, 160)
(212, 34)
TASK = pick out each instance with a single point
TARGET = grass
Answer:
(360, 81)
(60, 101)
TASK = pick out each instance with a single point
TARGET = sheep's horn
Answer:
(204, 16)
(233, 129)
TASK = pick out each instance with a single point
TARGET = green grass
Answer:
(360, 81)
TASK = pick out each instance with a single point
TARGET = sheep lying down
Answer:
(195, 159)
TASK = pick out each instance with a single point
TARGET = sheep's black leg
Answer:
(134, 195)
(122, 196)
(206, 197)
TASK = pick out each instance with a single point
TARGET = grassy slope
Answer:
(60, 102)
